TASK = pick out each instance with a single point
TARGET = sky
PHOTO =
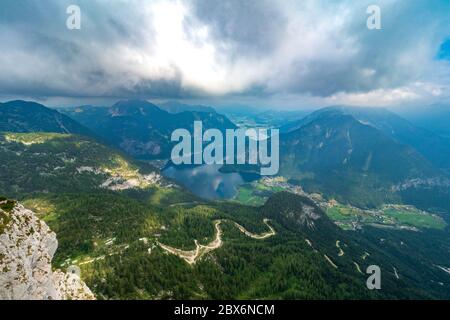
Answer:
(285, 53)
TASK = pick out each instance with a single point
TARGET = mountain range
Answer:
(140, 128)
(178, 107)
(133, 232)
(431, 145)
(363, 155)
(435, 117)
(24, 116)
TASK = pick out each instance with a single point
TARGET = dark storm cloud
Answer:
(201, 48)
(352, 58)
(41, 57)
(253, 27)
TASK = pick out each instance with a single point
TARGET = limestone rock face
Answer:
(27, 246)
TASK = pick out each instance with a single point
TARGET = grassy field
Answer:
(247, 196)
(389, 215)
(414, 217)
(34, 138)
(346, 216)
(255, 193)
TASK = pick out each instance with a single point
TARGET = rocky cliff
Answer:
(27, 246)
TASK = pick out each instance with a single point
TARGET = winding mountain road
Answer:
(192, 256)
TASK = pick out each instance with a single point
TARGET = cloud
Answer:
(259, 49)
(253, 27)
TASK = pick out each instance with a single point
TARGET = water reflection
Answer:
(207, 181)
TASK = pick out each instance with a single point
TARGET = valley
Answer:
(137, 233)
(347, 216)
(224, 150)
(389, 216)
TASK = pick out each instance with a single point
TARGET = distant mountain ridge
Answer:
(333, 152)
(435, 118)
(178, 107)
(24, 116)
(140, 128)
(432, 146)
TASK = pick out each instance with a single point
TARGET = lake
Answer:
(207, 181)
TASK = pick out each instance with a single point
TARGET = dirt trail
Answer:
(183, 204)
(262, 236)
(188, 256)
(341, 252)
(396, 273)
(358, 268)
(445, 269)
(330, 261)
(192, 256)
(366, 254)
(102, 257)
(311, 245)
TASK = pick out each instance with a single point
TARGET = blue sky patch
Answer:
(444, 50)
